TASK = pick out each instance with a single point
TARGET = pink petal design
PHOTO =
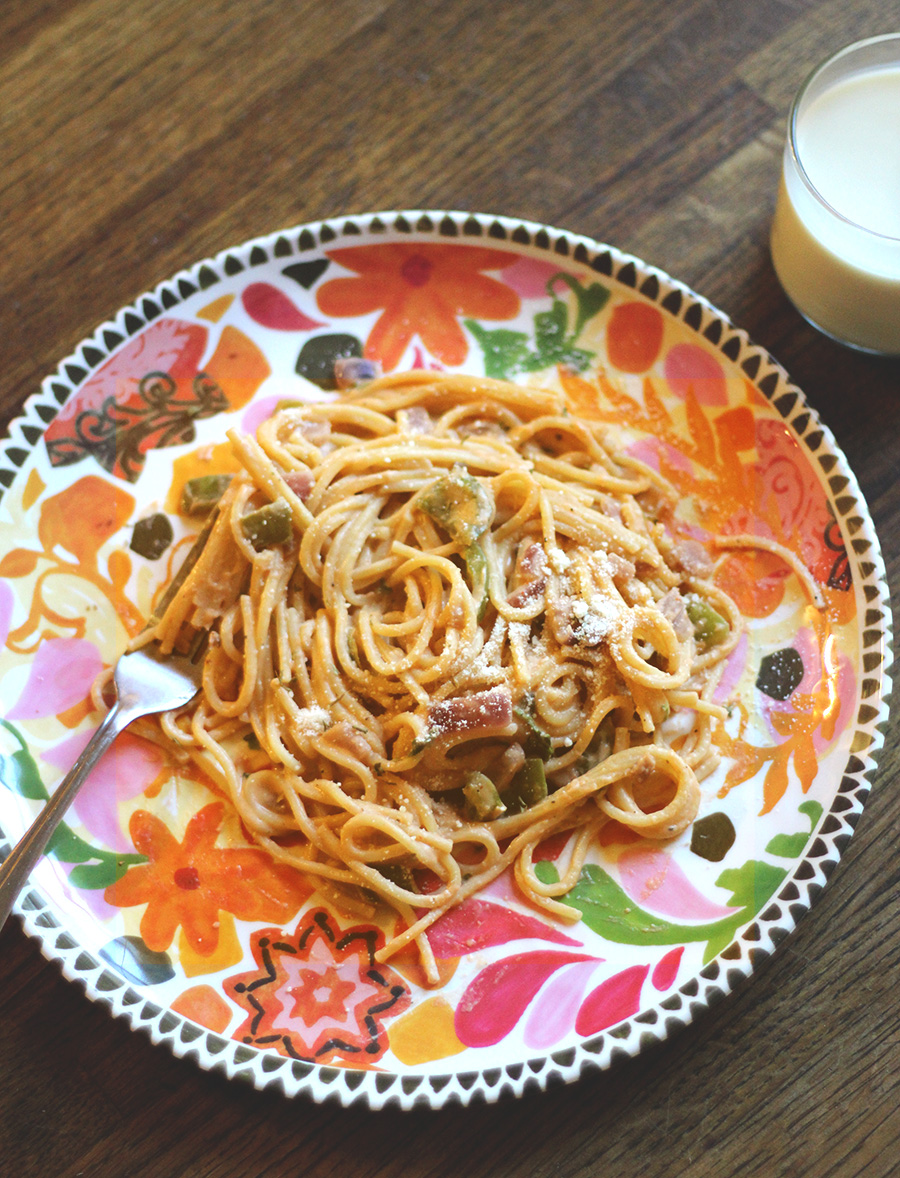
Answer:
(60, 677)
(529, 276)
(270, 307)
(88, 900)
(122, 773)
(258, 412)
(6, 609)
(338, 1017)
(785, 480)
(654, 880)
(618, 998)
(168, 345)
(495, 1001)
(666, 969)
(652, 450)
(690, 368)
(841, 677)
(551, 848)
(553, 1014)
(477, 924)
(734, 668)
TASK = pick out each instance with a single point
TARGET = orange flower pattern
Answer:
(420, 289)
(189, 883)
(318, 994)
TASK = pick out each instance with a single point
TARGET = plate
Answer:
(287, 995)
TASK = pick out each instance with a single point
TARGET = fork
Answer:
(146, 682)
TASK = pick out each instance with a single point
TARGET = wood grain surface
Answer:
(137, 138)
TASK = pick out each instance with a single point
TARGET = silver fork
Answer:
(146, 682)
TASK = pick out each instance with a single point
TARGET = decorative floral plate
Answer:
(151, 897)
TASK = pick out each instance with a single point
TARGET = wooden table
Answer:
(138, 138)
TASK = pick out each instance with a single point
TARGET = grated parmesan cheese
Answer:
(312, 721)
(558, 559)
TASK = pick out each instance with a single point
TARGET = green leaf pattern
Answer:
(97, 868)
(507, 352)
(611, 913)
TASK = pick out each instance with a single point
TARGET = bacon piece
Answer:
(507, 766)
(561, 618)
(672, 607)
(301, 482)
(480, 427)
(612, 507)
(485, 713)
(525, 593)
(352, 372)
(314, 431)
(415, 420)
(619, 567)
(693, 558)
(343, 737)
(531, 563)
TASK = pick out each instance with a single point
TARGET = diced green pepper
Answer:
(600, 746)
(460, 504)
(482, 800)
(710, 628)
(477, 566)
(527, 788)
(399, 874)
(535, 742)
(200, 495)
(268, 525)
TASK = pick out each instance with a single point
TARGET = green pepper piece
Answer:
(269, 525)
(399, 874)
(527, 788)
(600, 746)
(200, 495)
(460, 504)
(482, 800)
(535, 742)
(477, 567)
(602, 741)
(710, 628)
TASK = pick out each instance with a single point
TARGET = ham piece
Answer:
(485, 713)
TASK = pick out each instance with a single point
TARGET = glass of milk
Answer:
(836, 232)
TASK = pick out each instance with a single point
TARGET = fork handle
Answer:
(18, 865)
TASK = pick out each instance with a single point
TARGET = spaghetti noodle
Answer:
(446, 621)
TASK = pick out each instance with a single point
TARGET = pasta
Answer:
(446, 620)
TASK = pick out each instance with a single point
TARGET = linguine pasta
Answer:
(445, 621)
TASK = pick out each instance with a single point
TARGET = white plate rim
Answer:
(347, 1086)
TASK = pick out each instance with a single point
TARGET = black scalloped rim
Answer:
(737, 961)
